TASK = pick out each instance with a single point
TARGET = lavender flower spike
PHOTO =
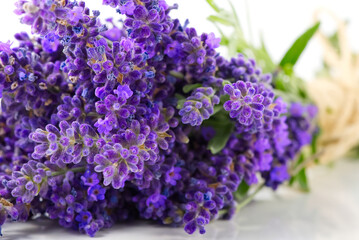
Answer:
(249, 102)
(199, 106)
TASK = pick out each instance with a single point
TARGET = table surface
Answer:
(329, 212)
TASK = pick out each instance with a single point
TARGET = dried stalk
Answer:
(337, 96)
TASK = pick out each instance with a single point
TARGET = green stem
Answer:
(78, 169)
(222, 212)
(249, 198)
(304, 164)
(177, 74)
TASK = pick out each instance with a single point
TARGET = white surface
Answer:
(329, 212)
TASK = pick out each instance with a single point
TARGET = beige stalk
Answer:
(337, 96)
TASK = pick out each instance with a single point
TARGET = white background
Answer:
(279, 21)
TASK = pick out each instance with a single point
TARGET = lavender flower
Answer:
(96, 193)
(242, 69)
(198, 213)
(29, 181)
(199, 106)
(69, 144)
(249, 103)
(116, 163)
(300, 125)
(173, 175)
(6, 47)
(115, 109)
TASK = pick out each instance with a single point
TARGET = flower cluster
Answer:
(102, 124)
(249, 103)
(198, 106)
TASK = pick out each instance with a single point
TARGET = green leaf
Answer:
(176, 74)
(223, 127)
(301, 177)
(179, 96)
(288, 69)
(213, 5)
(293, 54)
(225, 82)
(221, 20)
(262, 57)
(242, 190)
(219, 141)
(189, 87)
(302, 180)
(314, 145)
(216, 109)
(235, 17)
(293, 178)
(219, 107)
(180, 103)
(180, 100)
(291, 181)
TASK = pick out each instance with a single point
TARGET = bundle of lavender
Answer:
(102, 124)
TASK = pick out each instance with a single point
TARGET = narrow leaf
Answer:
(213, 5)
(314, 145)
(180, 103)
(180, 100)
(189, 87)
(235, 16)
(219, 141)
(293, 54)
(301, 176)
(292, 181)
(243, 189)
(216, 109)
(220, 20)
(302, 180)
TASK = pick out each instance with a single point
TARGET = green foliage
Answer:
(294, 52)
(289, 86)
(301, 176)
(314, 145)
(302, 180)
(189, 87)
(221, 20)
(223, 127)
(242, 190)
(213, 5)
(236, 42)
(180, 100)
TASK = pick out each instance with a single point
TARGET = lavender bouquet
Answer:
(102, 124)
